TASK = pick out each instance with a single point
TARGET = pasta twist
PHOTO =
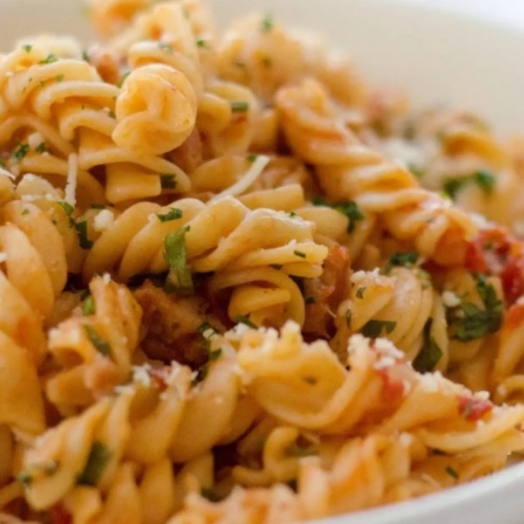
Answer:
(93, 351)
(347, 168)
(222, 234)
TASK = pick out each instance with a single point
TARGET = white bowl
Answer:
(473, 61)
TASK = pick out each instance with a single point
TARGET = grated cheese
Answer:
(450, 299)
(103, 220)
(72, 178)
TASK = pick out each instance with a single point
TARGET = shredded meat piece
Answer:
(189, 155)
(324, 294)
(171, 323)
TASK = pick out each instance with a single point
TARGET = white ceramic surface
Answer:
(475, 61)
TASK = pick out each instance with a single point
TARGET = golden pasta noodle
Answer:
(231, 274)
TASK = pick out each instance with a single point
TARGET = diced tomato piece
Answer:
(60, 515)
(473, 409)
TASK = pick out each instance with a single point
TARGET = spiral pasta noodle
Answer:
(231, 273)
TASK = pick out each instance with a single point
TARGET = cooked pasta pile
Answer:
(240, 286)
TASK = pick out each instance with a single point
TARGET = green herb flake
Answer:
(239, 107)
(89, 307)
(98, 206)
(243, 319)
(179, 278)
(200, 375)
(300, 254)
(27, 48)
(452, 472)
(474, 322)
(201, 43)
(67, 207)
(251, 158)
(123, 79)
(165, 47)
(416, 171)
(210, 495)
(360, 292)
(373, 328)
(349, 209)
(310, 300)
(20, 152)
(167, 181)
(83, 239)
(60, 77)
(348, 315)
(49, 59)
(111, 114)
(26, 211)
(267, 24)
(101, 345)
(430, 354)
(405, 259)
(172, 214)
(85, 56)
(41, 148)
(215, 354)
(99, 457)
(485, 180)
(25, 478)
(292, 214)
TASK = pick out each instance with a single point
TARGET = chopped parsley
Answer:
(360, 292)
(85, 56)
(470, 322)
(215, 354)
(101, 345)
(239, 107)
(89, 307)
(98, 206)
(25, 478)
(26, 211)
(60, 78)
(430, 354)
(99, 456)
(373, 328)
(452, 472)
(41, 148)
(27, 48)
(172, 214)
(403, 259)
(67, 207)
(243, 319)
(300, 254)
(200, 375)
(416, 171)
(20, 152)
(348, 209)
(251, 158)
(111, 114)
(49, 59)
(201, 43)
(267, 24)
(179, 278)
(167, 181)
(83, 239)
(123, 79)
(165, 47)
(485, 180)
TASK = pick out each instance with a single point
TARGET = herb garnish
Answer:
(485, 180)
(173, 214)
(83, 239)
(89, 307)
(27, 48)
(98, 458)
(101, 345)
(452, 473)
(243, 319)
(373, 328)
(469, 321)
(267, 23)
(41, 148)
(49, 59)
(167, 181)
(348, 209)
(20, 152)
(179, 278)
(300, 254)
(430, 354)
(239, 107)
(403, 259)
